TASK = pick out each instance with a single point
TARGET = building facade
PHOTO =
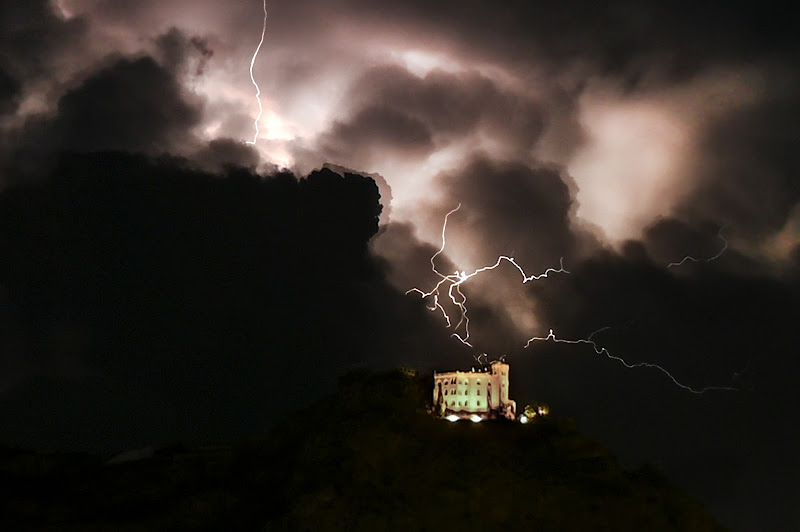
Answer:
(475, 395)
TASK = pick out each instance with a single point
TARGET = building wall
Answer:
(474, 392)
(463, 391)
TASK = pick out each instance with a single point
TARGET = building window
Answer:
(479, 403)
(479, 392)
(445, 392)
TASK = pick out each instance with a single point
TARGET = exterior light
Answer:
(452, 417)
(475, 418)
(523, 419)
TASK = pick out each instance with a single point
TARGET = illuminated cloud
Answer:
(410, 90)
(620, 136)
(447, 103)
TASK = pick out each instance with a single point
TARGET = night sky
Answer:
(163, 280)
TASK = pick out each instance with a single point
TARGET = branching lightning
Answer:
(253, 80)
(456, 279)
(715, 257)
(603, 351)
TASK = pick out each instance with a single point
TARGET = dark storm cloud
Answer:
(396, 114)
(711, 327)
(513, 208)
(9, 92)
(134, 104)
(506, 208)
(454, 105)
(131, 104)
(609, 37)
(377, 129)
(217, 154)
(170, 296)
(407, 262)
(560, 49)
(185, 298)
(177, 49)
(670, 240)
(750, 165)
(384, 190)
(34, 41)
(408, 259)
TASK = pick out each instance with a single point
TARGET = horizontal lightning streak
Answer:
(715, 257)
(603, 351)
(455, 280)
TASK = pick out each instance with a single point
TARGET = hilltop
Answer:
(369, 458)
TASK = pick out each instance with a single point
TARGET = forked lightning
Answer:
(454, 281)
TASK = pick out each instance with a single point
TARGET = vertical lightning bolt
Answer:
(456, 279)
(603, 351)
(715, 257)
(252, 79)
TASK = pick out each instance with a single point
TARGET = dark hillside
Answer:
(367, 458)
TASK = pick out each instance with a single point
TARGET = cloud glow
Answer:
(626, 173)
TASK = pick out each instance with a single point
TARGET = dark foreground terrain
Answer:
(370, 459)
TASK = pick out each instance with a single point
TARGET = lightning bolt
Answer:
(252, 79)
(603, 351)
(715, 257)
(455, 280)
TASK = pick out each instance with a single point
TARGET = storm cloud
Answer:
(145, 241)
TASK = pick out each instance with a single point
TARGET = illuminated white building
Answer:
(474, 395)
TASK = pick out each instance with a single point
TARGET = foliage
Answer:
(369, 458)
